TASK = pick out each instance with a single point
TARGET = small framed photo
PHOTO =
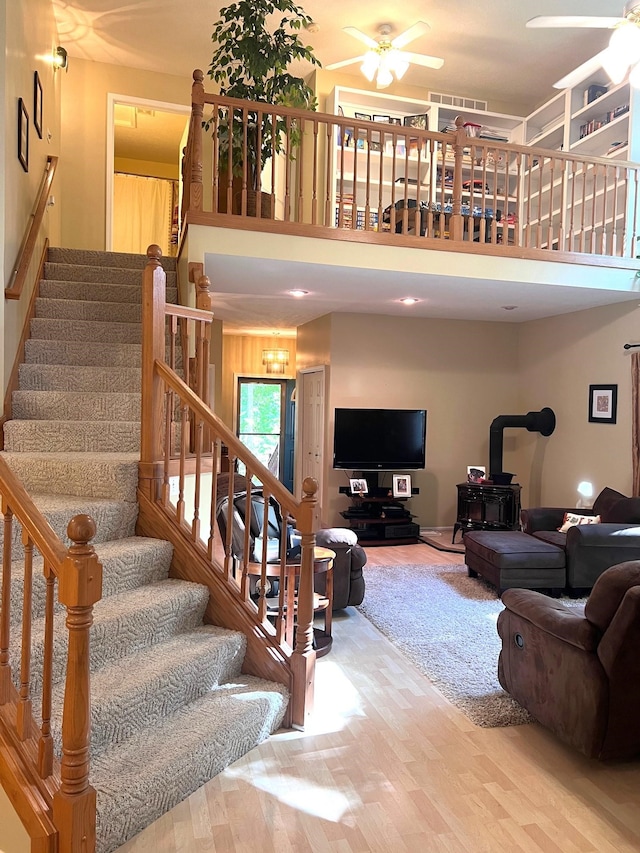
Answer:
(420, 121)
(385, 119)
(37, 103)
(363, 116)
(375, 146)
(401, 486)
(395, 121)
(359, 486)
(23, 135)
(476, 473)
(603, 403)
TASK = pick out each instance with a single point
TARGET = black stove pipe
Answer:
(543, 422)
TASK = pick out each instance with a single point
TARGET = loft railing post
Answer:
(197, 114)
(457, 227)
(303, 659)
(80, 587)
(153, 349)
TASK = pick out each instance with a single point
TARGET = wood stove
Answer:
(487, 507)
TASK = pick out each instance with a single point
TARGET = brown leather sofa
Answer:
(590, 548)
(578, 673)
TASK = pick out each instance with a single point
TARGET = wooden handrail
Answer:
(190, 433)
(19, 274)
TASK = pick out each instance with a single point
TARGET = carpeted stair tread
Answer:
(122, 624)
(73, 309)
(127, 564)
(98, 274)
(75, 406)
(96, 475)
(96, 258)
(142, 689)
(115, 519)
(85, 330)
(144, 777)
(66, 377)
(91, 292)
(72, 436)
(79, 353)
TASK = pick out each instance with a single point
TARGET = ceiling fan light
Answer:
(398, 64)
(384, 78)
(615, 65)
(634, 76)
(370, 65)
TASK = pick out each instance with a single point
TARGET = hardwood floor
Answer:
(389, 765)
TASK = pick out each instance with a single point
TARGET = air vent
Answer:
(457, 101)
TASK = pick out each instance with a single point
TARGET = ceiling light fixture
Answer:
(409, 300)
(275, 360)
(60, 59)
(509, 307)
(623, 51)
(298, 293)
(383, 62)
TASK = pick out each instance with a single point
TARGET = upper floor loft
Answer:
(549, 200)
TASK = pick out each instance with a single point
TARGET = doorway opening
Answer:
(265, 423)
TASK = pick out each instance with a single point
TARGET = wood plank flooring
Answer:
(390, 766)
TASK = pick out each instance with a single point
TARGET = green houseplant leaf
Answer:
(254, 48)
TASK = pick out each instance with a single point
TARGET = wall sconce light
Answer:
(275, 360)
(60, 59)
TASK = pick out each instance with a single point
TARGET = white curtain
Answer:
(142, 213)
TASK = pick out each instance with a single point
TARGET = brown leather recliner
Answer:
(578, 673)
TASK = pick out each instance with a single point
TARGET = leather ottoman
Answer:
(513, 559)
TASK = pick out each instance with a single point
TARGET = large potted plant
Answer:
(250, 61)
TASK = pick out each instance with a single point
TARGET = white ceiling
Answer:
(488, 53)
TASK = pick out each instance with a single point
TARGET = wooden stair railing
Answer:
(181, 451)
(53, 799)
(474, 195)
(23, 261)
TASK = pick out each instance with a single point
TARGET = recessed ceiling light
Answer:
(409, 300)
(509, 307)
(298, 293)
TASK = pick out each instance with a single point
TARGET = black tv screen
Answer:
(379, 439)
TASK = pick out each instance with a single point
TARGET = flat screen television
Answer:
(379, 439)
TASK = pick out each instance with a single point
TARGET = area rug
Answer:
(445, 623)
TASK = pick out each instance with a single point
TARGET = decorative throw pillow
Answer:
(571, 519)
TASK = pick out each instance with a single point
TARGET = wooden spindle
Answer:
(5, 607)
(74, 803)
(24, 704)
(197, 113)
(316, 172)
(45, 743)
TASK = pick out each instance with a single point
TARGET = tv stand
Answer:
(380, 519)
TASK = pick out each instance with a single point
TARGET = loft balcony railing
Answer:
(319, 174)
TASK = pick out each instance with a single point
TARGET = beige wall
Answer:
(463, 373)
(84, 139)
(13, 836)
(30, 41)
(559, 358)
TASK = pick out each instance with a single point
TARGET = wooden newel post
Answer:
(154, 289)
(204, 300)
(303, 660)
(457, 226)
(197, 114)
(80, 586)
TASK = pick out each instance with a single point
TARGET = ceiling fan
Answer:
(385, 57)
(622, 54)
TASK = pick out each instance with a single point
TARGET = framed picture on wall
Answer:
(37, 103)
(23, 135)
(603, 403)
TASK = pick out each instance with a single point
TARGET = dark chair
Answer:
(578, 673)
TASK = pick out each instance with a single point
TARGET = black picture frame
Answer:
(603, 404)
(420, 121)
(362, 116)
(37, 103)
(23, 135)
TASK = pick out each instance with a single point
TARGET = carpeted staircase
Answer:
(170, 708)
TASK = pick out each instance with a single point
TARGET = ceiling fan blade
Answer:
(584, 21)
(425, 61)
(363, 37)
(414, 31)
(344, 63)
(581, 72)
